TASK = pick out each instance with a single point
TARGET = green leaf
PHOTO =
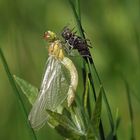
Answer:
(63, 125)
(93, 131)
(79, 119)
(29, 90)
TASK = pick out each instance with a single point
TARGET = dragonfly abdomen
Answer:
(74, 79)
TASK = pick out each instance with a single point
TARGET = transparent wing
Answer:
(53, 92)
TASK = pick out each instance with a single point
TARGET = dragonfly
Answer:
(59, 83)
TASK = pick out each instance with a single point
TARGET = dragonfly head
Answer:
(50, 36)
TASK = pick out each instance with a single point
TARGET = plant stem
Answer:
(12, 82)
(78, 20)
(105, 99)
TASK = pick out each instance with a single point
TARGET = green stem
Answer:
(78, 20)
(92, 84)
(12, 82)
(105, 99)
(78, 9)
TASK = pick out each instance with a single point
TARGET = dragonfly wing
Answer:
(60, 86)
(53, 92)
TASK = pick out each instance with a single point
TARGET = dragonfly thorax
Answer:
(55, 49)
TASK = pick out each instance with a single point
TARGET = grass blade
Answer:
(97, 112)
(13, 84)
(93, 130)
(93, 66)
(78, 21)
(105, 99)
(132, 136)
(116, 122)
(78, 9)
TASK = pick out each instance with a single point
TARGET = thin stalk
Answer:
(132, 137)
(93, 65)
(13, 84)
(105, 99)
(86, 95)
(106, 103)
(78, 20)
(78, 9)
(92, 84)
(116, 124)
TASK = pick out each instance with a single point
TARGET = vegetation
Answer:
(107, 98)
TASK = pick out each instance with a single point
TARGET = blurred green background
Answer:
(114, 31)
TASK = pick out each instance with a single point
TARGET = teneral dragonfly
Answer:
(59, 83)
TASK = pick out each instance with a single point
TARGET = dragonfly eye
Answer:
(49, 36)
(46, 36)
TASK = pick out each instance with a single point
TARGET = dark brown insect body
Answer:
(76, 42)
